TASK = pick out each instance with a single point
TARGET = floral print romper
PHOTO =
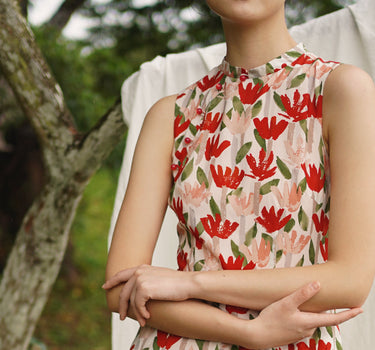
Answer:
(251, 179)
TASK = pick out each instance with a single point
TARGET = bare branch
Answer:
(62, 16)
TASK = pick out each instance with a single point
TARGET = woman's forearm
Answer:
(341, 287)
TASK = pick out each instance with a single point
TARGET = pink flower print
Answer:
(211, 252)
(193, 195)
(277, 79)
(208, 82)
(324, 248)
(314, 179)
(210, 123)
(251, 93)
(271, 220)
(231, 178)
(213, 149)
(258, 254)
(261, 170)
(299, 109)
(179, 126)
(289, 243)
(296, 156)
(191, 110)
(178, 209)
(322, 223)
(290, 199)
(217, 228)
(243, 204)
(239, 123)
(270, 129)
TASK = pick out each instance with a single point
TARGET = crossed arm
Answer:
(345, 279)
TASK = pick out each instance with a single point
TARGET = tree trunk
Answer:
(70, 160)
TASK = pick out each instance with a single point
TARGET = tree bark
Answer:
(70, 160)
(62, 16)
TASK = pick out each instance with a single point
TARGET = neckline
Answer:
(274, 65)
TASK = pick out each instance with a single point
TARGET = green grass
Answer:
(76, 317)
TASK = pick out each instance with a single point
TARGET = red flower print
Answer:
(215, 227)
(303, 59)
(236, 309)
(198, 240)
(314, 180)
(166, 340)
(251, 94)
(210, 123)
(208, 82)
(324, 248)
(178, 127)
(230, 179)
(261, 171)
(178, 209)
(180, 95)
(182, 157)
(236, 264)
(213, 149)
(270, 130)
(322, 223)
(316, 107)
(312, 345)
(300, 109)
(271, 221)
(181, 260)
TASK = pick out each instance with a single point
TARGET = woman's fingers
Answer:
(141, 320)
(124, 298)
(302, 294)
(118, 278)
(329, 319)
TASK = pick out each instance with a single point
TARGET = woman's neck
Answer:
(253, 45)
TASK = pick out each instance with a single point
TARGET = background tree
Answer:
(90, 72)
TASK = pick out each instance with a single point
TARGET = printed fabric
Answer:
(251, 177)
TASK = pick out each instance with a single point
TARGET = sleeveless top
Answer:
(251, 185)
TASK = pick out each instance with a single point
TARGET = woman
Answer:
(255, 175)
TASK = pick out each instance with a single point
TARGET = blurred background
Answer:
(92, 46)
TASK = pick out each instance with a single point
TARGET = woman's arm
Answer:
(349, 122)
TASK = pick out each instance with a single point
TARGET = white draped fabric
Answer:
(347, 36)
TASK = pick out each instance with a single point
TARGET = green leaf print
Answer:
(302, 185)
(269, 68)
(177, 111)
(288, 227)
(300, 263)
(326, 210)
(199, 265)
(338, 345)
(201, 177)
(260, 140)
(283, 168)
(257, 81)
(178, 142)
(237, 192)
(303, 219)
(234, 347)
(297, 81)
(235, 249)
(321, 146)
(256, 109)
(312, 253)
(214, 103)
(187, 170)
(318, 90)
(266, 188)
(243, 151)
(303, 125)
(279, 254)
(329, 330)
(200, 227)
(214, 207)
(155, 345)
(278, 101)
(251, 234)
(237, 104)
(199, 343)
(193, 129)
(267, 238)
(317, 335)
(295, 54)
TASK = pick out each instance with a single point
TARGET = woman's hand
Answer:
(146, 282)
(289, 324)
